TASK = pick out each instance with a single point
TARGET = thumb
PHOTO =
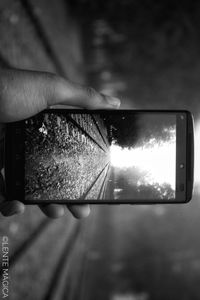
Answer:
(73, 94)
(26, 93)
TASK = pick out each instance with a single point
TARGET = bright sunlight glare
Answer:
(158, 160)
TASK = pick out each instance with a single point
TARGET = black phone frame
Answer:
(14, 159)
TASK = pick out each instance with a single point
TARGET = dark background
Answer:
(146, 52)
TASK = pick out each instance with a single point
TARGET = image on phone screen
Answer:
(121, 156)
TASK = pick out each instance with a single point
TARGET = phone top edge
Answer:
(83, 110)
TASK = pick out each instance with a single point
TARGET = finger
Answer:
(2, 135)
(73, 94)
(79, 211)
(26, 93)
(53, 210)
(2, 184)
(11, 208)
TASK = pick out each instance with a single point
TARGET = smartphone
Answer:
(100, 156)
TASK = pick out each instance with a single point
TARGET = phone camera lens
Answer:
(181, 166)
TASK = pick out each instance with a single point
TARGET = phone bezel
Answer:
(14, 159)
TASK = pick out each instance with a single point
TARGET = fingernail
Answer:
(60, 212)
(56, 211)
(114, 101)
(86, 211)
(8, 211)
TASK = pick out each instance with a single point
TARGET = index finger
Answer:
(26, 93)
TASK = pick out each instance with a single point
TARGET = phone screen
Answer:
(107, 155)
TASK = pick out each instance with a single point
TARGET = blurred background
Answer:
(147, 53)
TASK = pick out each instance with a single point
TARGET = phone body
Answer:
(100, 156)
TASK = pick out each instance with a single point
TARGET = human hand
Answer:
(26, 93)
